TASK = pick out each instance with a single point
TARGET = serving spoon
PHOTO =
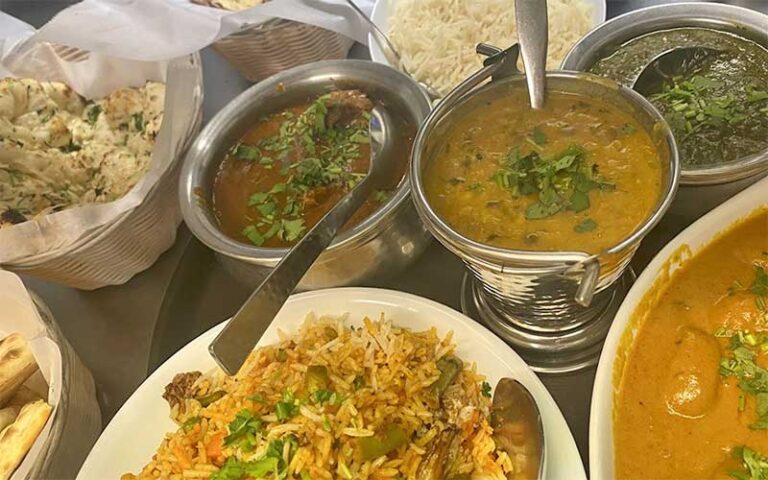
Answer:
(668, 64)
(389, 50)
(516, 420)
(531, 19)
(237, 340)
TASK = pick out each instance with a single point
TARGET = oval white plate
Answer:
(380, 17)
(697, 236)
(133, 435)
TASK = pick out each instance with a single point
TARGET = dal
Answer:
(560, 178)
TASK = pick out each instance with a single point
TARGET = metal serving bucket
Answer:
(382, 244)
(544, 294)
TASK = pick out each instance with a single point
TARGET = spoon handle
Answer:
(235, 342)
(531, 16)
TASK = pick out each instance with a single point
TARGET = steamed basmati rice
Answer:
(437, 38)
(379, 375)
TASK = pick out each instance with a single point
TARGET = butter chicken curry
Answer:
(692, 402)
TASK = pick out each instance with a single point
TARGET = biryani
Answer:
(58, 150)
(437, 38)
(373, 402)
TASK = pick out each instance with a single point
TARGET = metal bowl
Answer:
(384, 243)
(746, 23)
(536, 290)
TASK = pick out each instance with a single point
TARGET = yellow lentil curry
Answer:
(692, 401)
(577, 175)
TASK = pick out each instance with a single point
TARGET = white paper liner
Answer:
(19, 315)
(93, 75)
(152, 30)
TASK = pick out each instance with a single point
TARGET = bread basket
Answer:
(113, 251)
(262, 50)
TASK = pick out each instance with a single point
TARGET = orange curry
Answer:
(692, 400)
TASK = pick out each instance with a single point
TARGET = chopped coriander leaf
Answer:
(755, 465)
(243, 430)
(321, 396)
(752, 378)
(257, 198)
(247, 152)
(257, 398)
(93, 114)
(627, 129)
(252, 234)
(293, 229)
(586, 225)
(358, 382)
(286, 408)
(486, 390)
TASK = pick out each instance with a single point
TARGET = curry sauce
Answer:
(577, 175)
(691, 403)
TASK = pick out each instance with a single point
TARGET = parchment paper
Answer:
(95, 75)
(19, 314)
(152, 30)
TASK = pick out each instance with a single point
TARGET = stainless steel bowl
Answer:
(382, 244)
(746, 23)
(536, 290)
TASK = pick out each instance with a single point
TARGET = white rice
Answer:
(437, 38)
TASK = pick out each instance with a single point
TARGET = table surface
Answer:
(123, 332)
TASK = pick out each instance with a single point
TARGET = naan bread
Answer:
(17, 438)
(8, 416)
(16, 365)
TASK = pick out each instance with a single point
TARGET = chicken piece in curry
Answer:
(692, 400)
(293, 166)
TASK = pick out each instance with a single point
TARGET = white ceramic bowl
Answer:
(696, 237)
(382, 9)
(134, 434)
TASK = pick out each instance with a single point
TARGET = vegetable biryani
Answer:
(372, 402)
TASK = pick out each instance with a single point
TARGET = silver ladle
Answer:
(531, 19)
(389, 50)
(668, 64)
(235, 342)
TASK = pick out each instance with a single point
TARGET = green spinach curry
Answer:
(718, 108)
(579, 174)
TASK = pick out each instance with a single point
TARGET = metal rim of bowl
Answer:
(639, 22)
(210, 234)
(496, 258)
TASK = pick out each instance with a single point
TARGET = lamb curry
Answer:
(282, 177)
(560, 178)
(692, 402)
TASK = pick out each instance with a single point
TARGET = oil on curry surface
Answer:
(693, 399)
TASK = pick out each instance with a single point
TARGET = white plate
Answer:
(697, 236)
(380, 17)
(134, 434)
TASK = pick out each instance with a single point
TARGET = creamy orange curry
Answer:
(579, 174)
(692, 401)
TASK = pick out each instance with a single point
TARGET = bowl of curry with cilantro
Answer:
(283, 153)
(681, 390)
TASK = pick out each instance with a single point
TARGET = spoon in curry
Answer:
(235, 342)
(668, 64)
(516, 423)
(531, 18)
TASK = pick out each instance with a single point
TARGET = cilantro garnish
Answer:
(485, 390)
(287, 407)
(273, 462)
(561, 181)
(327, 153)
(752, 378)
(586, 225)
(138, 121)
(755, 465)
(243, 430)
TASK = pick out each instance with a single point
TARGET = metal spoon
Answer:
(232, 346)
(668, 64)
(516, 421)
(531, 17)
(389, 50)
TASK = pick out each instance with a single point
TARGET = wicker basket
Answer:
(130, 244)
(263, 50)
